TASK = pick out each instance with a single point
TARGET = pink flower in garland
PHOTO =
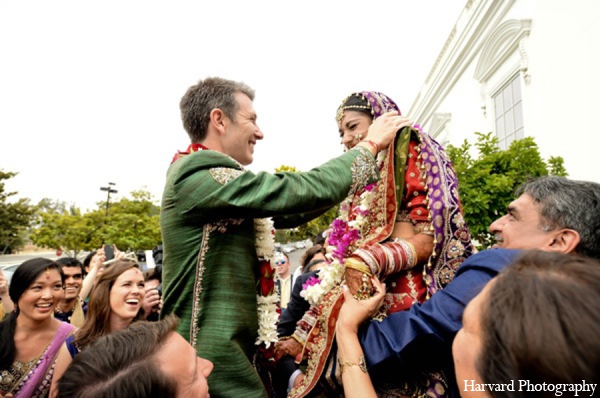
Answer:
(313, 280)
(341, 237)
(370, 187)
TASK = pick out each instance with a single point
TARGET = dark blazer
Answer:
(296, 307)
(286, 327)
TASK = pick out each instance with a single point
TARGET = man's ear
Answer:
(218, 120)
(565, 241)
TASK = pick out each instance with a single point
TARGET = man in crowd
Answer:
(147, 359)
(71, 307)
(551, 214)
(284, 280)
(210, 237)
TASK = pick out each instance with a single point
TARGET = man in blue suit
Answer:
(551, 213)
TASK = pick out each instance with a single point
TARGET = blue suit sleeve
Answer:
(406, 334)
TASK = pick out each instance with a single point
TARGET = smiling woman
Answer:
(34, 353)
(115, 302)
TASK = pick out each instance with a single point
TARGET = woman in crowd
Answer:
(407, 229)
(33, 354)
(115, 302)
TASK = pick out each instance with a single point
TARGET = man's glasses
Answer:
(280, 262)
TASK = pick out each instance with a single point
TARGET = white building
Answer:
(520, 68)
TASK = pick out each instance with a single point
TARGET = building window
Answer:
(509, 113)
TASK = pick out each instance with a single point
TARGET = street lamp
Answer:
(109, 190)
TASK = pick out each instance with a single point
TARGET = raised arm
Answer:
(90, 278)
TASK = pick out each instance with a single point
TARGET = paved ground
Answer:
(10, 259)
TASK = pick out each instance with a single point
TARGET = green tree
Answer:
(131, 224)
(62, 227)
(15, 217)
(487, 183)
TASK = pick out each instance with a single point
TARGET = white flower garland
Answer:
(266, 305)
(332, 274)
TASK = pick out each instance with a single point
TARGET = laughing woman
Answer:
(33, 354)
(115, 302)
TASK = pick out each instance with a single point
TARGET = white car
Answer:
(8, 271)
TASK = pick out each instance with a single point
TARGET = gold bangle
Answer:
(362, 364)
(297, 339)
(415, 258)
(358, 265)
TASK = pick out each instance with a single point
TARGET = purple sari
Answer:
(39, 378)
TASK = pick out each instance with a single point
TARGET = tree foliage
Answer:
(15, 217)
(131, 224)
(487, 183)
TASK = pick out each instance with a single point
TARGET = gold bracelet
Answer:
(358, 265)
(362, 364)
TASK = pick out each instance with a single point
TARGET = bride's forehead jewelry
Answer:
(364, 105)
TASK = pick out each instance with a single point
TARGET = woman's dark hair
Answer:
(540, 322)
(24, 276)
(97, 319)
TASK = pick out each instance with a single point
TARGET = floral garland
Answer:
(267, 300)
(342, 241)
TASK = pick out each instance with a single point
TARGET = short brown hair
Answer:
(208, 94)
(121, 364)
(540, 320)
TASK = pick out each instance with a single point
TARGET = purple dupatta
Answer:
(35, 377)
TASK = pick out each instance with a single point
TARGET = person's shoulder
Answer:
(204, 160)
(493, 259)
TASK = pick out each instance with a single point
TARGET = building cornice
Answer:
(477, 20)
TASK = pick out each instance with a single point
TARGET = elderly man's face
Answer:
(521, 227)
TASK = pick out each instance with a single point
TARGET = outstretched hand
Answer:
(355, 312)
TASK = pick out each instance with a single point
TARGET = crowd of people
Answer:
(391, 300)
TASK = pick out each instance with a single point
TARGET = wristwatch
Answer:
(362, 364)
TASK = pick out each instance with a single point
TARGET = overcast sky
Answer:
(89, 90)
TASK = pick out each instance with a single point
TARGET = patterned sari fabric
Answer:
(33, 378)
(418, 184)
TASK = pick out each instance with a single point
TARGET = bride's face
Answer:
(353, 128)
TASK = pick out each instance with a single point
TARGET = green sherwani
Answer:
(210, 264)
